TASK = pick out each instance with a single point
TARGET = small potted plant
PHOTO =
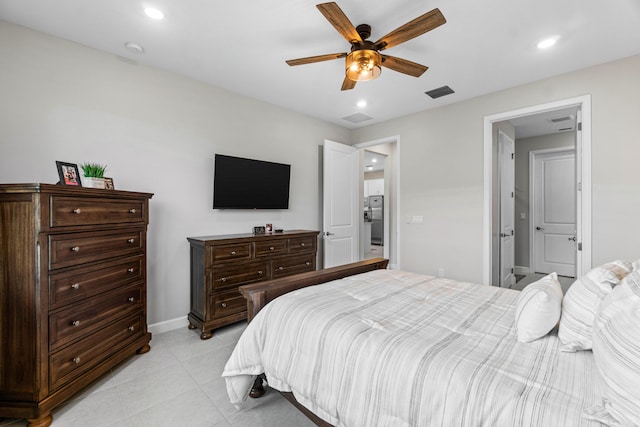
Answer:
(93, 175)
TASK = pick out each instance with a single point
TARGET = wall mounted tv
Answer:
(250, 184)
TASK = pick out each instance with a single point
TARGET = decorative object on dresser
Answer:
(93, 175)
(72, 291)
(220, 264)
(69, 174)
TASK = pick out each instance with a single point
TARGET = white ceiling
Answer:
(242, 45)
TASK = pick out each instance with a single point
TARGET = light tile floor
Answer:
(177, 383)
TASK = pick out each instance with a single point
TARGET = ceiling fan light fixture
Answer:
(363, 64)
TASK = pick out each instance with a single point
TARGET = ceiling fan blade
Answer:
(412, 29)
(312, 59)
(403, 66)
(339, 20)
(348, 84)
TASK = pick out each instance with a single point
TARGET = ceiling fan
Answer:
(364, 60)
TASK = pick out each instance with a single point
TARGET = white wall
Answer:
(451, 192)
(158, 133)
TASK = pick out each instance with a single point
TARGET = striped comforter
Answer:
(392, 348)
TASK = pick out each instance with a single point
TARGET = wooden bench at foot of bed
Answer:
(260, 294)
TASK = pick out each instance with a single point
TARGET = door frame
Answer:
(533, 155)
(583, 168)
(392, 203)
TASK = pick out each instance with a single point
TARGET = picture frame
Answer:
(108, 184)
(68, 174)
(258, 230)
(268, 228)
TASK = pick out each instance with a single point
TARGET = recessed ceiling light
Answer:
(362, 103)
(546, 43)
(374, 160)
(134, 47)
(154, 13)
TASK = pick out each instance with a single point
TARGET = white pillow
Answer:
(538, 308)
(581, 302)
(616, 350)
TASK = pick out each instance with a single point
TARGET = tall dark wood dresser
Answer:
(72, 291)
(221, 264)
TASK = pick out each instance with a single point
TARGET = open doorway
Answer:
(381, 188)
(555, 133)
(374, 209)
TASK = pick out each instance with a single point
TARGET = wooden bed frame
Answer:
(260, 294)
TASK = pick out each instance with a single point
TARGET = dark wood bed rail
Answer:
(260, 294)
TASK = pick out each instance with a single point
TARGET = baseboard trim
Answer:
(521, 270)
(169, 325)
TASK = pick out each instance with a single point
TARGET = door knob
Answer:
(326, 233)
(539, 228)
(572, 238)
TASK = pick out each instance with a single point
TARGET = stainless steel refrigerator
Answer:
(376, 204)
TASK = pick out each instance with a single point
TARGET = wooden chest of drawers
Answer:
(220, 264)
(72, 291)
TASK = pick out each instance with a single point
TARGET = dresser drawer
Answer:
(227, 303)
(229, 252)
(73, 211)
(271, 248)
(83, 355)
(302, 244)
(293, 265)
(81, 283)
(80, 319)
(232, 276)
(78, 248)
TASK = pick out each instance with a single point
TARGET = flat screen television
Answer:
(240, 183)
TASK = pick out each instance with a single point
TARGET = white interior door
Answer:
(341, 204)
(506, 171)
(554, 212)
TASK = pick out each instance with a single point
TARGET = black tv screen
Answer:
(249, 184)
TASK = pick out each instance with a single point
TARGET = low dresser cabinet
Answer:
(72, 291)
(221, 264)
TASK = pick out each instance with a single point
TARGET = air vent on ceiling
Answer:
(357, 118)
(441, 91)
(561, 119)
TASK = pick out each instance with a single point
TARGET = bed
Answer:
(378, 347)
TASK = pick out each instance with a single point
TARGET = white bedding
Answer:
(391, 348)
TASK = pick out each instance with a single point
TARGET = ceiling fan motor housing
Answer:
(364, 30)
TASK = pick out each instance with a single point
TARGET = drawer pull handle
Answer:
(131, 328)
(233, 252)
(130, 270)
(76, 360)
(260, 272)
(132, 211)
(223, 305)
(77, 211)
(301, 244)
(308, 263)
(76, 323)
(132, 299)
(224, 279)
(280, 268)
(131, 240)
(75, 249)
(75, 286)
(271, 248)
